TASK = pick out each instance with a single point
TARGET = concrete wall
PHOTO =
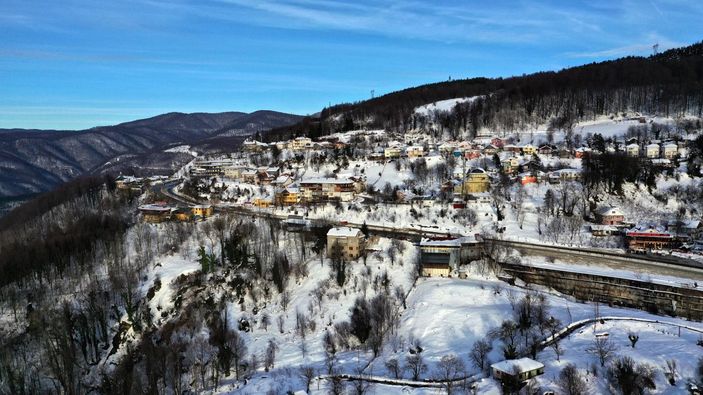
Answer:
(656, 298)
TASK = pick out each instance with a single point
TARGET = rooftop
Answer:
(344, 232)
(522, 364)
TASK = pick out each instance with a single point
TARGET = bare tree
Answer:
(238, 349)
(479, 353)
(270, 359)
(670, 371)
(393, 367)
(416, 365)
(308, 374)
(603, 348)
(571, 382)
(265, 321)
(633, 337)
(629, 377)
(449, 370)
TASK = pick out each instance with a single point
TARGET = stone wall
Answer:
(656, 298)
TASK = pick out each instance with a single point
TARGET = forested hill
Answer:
(33, 161)
(669, 84)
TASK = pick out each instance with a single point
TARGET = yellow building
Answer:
(182, 215)
(155, 213)
(204, 210)
(415, 151)
(288, 196)
(529, 149)
(391, 152)
(300, 143)
(477, 181)
(349, 239)
(262, 203)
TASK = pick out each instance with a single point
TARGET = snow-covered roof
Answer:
(202, 206)
(451, 243)
(653, 146)
(609, 211)
(686, 223)
(324, 180)
(652, 231)
(567, 171)
(154, 207)
(603, 228)
(344, 231)
(522, 364)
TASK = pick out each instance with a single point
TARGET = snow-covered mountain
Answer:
(36, 160)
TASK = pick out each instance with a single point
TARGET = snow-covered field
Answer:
(443, 105)
(445, 315)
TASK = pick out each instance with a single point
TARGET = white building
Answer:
(652, 151)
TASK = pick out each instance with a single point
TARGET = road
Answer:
(655, 265)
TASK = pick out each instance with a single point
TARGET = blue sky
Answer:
(74, 64)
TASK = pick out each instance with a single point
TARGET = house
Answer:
(633, 150)
(392, 152)
(528, 178)
(472, 154)
(582, 152)
(203, 210)
(519, 370)
(511, 165)
(512, 148)
(322, 189)
(290, 195)
(685, 229)
(300, 143)
(650, 238)
(248, 176)
(234, 172)
(670, 150)
(439, 257)
(560, 175)
(475, 199)
(603, 230)
(182, 215)
(652, 151)
(529, 149)
(263, 202)
(477, 181)
(253, 146)
(415, 151)
(547, 149)
(498, 142)
(446, 149)
(155, 213)
(490, 149)
(349, 240)
(282, 181)
(609, 215)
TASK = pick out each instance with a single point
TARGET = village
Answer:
(469, 180)
(456, 201)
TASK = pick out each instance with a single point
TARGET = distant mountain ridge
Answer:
(37, 160)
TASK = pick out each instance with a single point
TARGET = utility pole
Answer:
(373, 93)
